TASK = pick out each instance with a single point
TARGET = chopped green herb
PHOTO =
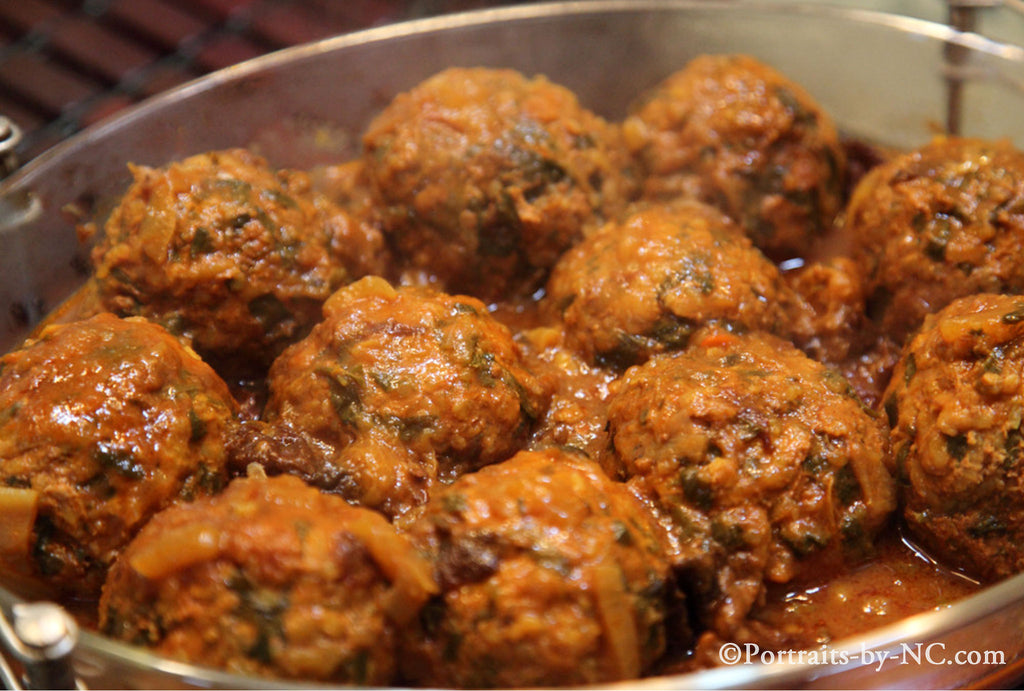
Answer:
(1014, 317)
(909, 368)
(987, 525)
(847, 487)
(344, 392)
(268, 310)
(201, 243)
(956, 445)
(695, 488)
(120, 461)
(197, 426)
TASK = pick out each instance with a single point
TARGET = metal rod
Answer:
(962, 17)
(42, 637)
(10, 138)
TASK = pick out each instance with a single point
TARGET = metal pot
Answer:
(887, 79)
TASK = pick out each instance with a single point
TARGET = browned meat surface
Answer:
(103, 423)
(401, 387)
(762, 461)
(484, 177)
(955, 403)
(229, 253)
(937, 223)
(733, 131)
(271, 577)
(644, 285)
(550, 574)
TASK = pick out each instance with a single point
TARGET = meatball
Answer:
(273, 578)
(224, 250)
(832, 327)
(400, 387)
(576, 415)
(550, 574)
(484, 177)
(763, 461)
(955, 407)
(734, 132)
(103, 422)
(940, 222)
(645, 285)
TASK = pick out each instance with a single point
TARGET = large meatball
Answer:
(761, 459)
(485, 177)
(644, 285)
(734, 132)
(230, 253)
(400, 387)
(271, 577)
(956, 403)
(937, 223)
(103, 422)
(550, 574)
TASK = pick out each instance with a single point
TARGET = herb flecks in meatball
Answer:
(550, 573)
(224, 250)
(761, 459)
(401, 387)
(939, 222)
(103, 422)
(646, 284)
(956, 404)
(486, 176)
(736, 133)
(273, 578)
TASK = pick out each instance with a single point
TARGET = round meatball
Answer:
(645, 285)
(485, 177)
(400, 387)
(103, 422)
(224, 250)
(763, 461)
(955, 404)
(937, 223)
(273, 578)
(734, 132)
(550, 574)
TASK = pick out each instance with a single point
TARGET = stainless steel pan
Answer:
(885, 78)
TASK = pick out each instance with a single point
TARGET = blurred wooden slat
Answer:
(163, 23)
(98, 50)
(29, 14)
(49, 86)
(225, 50)
(66, 63)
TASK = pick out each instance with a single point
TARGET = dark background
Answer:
(65, 64)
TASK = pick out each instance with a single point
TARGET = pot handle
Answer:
(41, 636)
(10, 137)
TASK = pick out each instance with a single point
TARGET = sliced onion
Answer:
(176, 549)
(615, 608)
(18, 511)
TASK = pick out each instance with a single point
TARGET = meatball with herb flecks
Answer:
(936, 223)
(736, 133)
(103, 422)
(226, 251)
(401, 387)
(273, 578)
(485, 176)
(644, 285)
(760, 459)
(956, 404)
(550, 574)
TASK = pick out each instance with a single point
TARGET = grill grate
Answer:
(65, 64)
